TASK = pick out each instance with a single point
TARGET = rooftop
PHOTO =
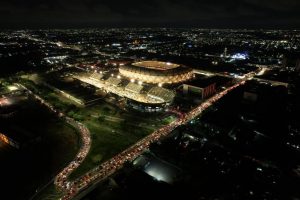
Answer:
(136, 88)
(157, 168)
(113, 81)
(157, 65)
(161, 93)
(201, 81)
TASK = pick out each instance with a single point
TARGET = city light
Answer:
(143, 112)
(4, 138)
(111, 166)
(240, 56)
(12, 88)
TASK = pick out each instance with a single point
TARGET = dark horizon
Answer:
(142, 26)
(35, 14)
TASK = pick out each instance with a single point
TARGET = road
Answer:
(111, 166)
(61, 179)
(103, 171)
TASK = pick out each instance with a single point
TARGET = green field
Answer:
(112, 129)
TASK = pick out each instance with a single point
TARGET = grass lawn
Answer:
(112, 129)
(109, 138)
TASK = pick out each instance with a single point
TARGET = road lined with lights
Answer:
(61, 179)
(73, 188)
(112, 165)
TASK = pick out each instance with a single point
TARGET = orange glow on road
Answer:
(72, 188)
(4, 138)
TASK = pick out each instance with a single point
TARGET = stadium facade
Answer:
(156, 72)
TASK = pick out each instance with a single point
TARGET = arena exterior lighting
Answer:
(156, 72)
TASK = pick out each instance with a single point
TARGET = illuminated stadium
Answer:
(156, 72)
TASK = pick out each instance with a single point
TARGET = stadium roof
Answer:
(113, 81)
(133, 87)
(156, 72)
(96, 75)
(156, 65)
(161, 93)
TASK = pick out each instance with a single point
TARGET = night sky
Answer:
(150, 13)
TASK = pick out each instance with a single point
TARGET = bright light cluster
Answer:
(156, 72)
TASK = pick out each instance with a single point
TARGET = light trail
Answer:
(61, 179)
(112, 165)
(72, 188)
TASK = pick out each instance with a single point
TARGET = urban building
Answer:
(204, 87)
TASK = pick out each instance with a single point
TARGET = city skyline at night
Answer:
(117, 100)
